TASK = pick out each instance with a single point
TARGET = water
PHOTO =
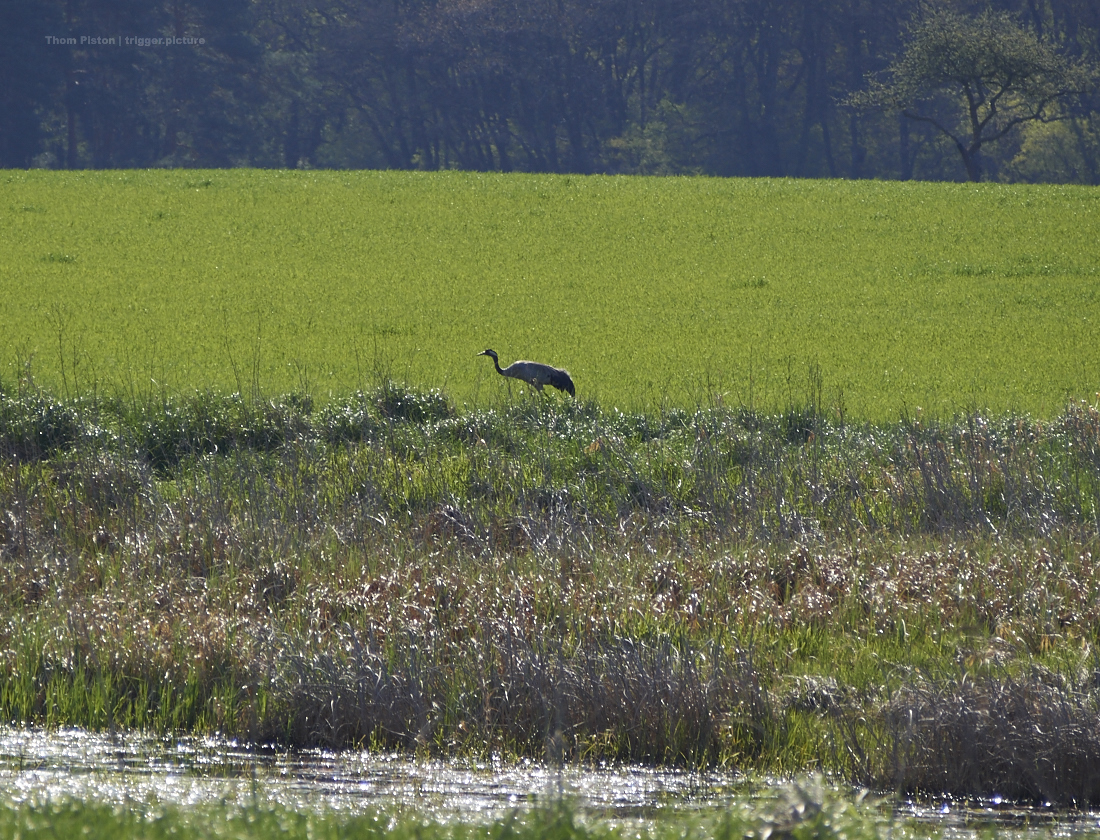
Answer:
(132, 769)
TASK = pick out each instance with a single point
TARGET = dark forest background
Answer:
(721, 87)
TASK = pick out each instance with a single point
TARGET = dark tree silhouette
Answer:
(976, 79)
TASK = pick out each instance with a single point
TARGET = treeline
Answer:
(721, 87)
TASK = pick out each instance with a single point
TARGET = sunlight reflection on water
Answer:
(37, 766)
(134, 769)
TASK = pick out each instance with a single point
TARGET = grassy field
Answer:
(652, 291)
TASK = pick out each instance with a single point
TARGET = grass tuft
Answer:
(1033, 738)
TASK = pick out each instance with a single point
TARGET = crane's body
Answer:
(534, 374)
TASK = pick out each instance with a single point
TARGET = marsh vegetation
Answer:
(554, 579)
(223, 507)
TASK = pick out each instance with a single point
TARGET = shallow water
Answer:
(132, 769)
(36, 766)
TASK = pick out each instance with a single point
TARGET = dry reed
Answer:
(551, 579)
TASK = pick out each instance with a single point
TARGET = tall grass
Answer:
(549, 579)
(1032, 738)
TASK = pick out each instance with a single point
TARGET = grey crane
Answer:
(533, 373)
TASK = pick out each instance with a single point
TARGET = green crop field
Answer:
(881, 297)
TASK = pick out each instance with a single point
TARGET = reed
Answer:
(542, 578)
(1033, 738)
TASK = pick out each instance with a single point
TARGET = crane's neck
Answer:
(496, 364)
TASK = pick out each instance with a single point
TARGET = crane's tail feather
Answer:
(562, 381)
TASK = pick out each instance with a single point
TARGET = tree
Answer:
(30, 73)
(976, 79)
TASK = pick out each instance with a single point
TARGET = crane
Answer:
(534, 374)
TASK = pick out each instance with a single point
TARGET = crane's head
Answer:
(490, 353)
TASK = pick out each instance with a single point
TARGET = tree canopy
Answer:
(977, 78)
(721, 87)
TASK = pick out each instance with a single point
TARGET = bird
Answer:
(534, 374)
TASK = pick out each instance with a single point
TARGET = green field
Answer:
(651, 291)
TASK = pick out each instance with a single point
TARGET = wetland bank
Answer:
(235, 505)
(908, 607)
